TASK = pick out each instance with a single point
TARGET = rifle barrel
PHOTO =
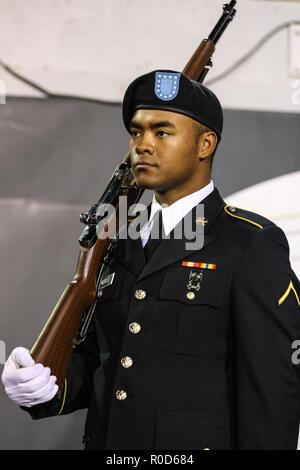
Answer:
(228, 14)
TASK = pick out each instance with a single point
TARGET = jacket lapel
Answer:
(172, 250)
(131, 252)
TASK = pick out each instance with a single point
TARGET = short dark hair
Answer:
(199, 130)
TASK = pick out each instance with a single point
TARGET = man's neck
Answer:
(168, 197)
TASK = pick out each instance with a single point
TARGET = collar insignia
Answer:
(201, 220)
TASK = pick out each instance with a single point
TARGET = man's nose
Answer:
(145, 145)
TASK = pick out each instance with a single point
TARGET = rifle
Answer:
(69, 320)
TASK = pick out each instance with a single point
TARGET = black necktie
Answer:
(156, 235)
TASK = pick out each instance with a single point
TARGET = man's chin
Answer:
(147, 184)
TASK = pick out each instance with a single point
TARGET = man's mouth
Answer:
(144, 164)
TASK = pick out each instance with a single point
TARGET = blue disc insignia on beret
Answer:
(166, 85)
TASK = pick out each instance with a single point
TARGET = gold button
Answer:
(140, 294)
(121, 394)
(126, 362)
(190, 295)
(134, 327)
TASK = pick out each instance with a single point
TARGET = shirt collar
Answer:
(171, 215)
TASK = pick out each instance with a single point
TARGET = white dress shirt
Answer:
(172, 215)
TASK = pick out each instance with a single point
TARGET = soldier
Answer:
(190, 348)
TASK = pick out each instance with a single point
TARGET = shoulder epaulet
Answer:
(251, 217)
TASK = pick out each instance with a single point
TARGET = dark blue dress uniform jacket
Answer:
(163, 370)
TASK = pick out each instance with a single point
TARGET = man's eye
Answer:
(162, 133)
(134, 133)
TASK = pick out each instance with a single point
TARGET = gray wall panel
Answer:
(65, 151)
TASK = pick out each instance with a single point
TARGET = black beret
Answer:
(173, 91)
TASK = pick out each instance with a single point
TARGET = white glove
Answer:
(25, 382)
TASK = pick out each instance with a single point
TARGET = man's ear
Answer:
(207, 144)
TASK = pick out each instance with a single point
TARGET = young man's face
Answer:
(164, 151)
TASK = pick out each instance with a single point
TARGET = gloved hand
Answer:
(25, 382)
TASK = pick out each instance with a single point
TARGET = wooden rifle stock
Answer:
(55, 344)
(199, 60)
